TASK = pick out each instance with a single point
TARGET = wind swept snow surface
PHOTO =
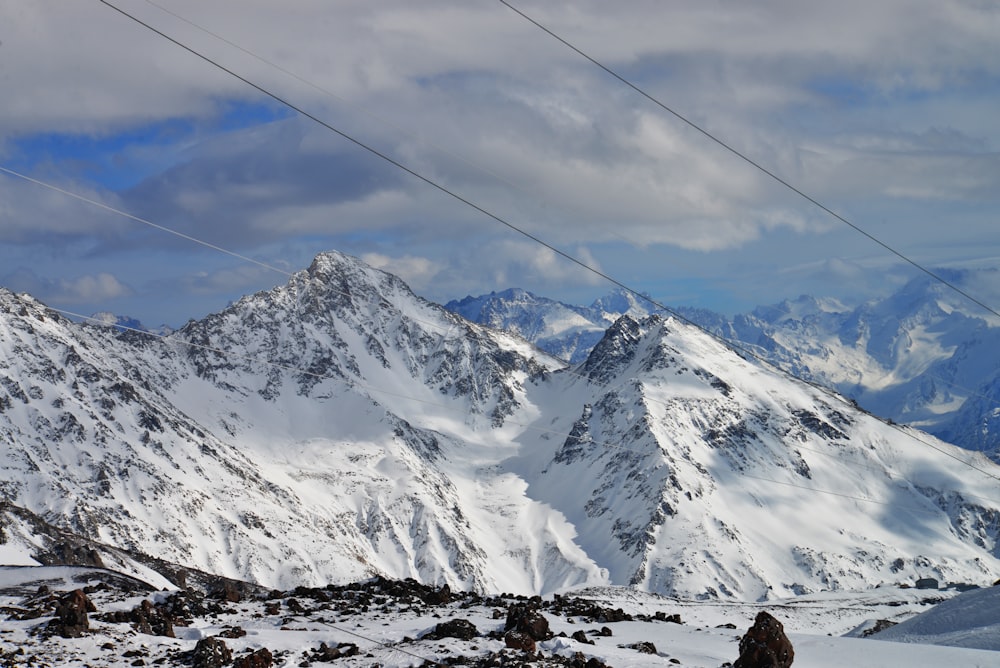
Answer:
(971, 619)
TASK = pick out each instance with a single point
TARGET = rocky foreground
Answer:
(86, 616)
(114, 620)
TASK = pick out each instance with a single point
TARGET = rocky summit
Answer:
(339, 428)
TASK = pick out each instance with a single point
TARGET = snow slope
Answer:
(971, 619)
(688, 470)
(340, 427)
(922, 356)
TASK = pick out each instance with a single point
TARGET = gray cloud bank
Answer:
(884, 111)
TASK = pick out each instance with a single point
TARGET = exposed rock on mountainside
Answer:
(339, 427)
(923, 356)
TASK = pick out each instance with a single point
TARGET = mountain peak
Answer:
(620, 301)
(338, 427)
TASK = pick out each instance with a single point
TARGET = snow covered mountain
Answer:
(272, 440)
(923, 356)
(340, 427)
(565, 331)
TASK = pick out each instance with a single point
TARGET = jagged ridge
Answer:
(340, 427)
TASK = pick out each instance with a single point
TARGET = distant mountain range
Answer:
(563, 330)
(340, 427)
(923, 356)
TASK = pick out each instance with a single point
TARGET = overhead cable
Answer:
(506, 223)
(215, 35)
(144, 221)
(329, 93)
(752, 162)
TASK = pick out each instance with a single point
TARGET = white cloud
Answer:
(417, 272)
(93, 288)
(63, 291)
(33, 214)
(877, 109)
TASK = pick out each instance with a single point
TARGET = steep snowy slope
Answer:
(923, 356)
(339, 427)
(291, 456)
(917, 356)
(688, 470)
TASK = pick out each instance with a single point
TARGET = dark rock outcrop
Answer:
(211, 653)
(262, 658)
(325, 653)
(765, 645)
(526, 618)
(152, 620)
(71, 619)
(72, 553)
(519, 640)
(462, 629)
(643, 647)
(878, 626)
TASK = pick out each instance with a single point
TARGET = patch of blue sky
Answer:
(856, 91)
(844, 91)
(119, 160)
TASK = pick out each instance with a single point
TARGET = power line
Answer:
(288, 368)
(186, 237)
(751, 161)
(384, 156)
(730, 343)
(735, 344)
(196, 240)
(503, 221)
(144, 221)
(329, 93)
(433, 325)
(439, 187)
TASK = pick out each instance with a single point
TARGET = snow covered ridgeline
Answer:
(351, 429)
(921, 356)
(707, 470)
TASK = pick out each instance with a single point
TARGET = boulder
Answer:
(520, 641)
(526, 618)
(462, 629)
(211, 652)
(262, 658)
(71, 619)
(765, 645)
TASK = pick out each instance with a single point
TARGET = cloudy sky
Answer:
(887, 112)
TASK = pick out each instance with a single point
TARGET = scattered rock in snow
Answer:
(262, 658)
(526, 618)
(644, 647)
(519, 640)
(325, 653)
